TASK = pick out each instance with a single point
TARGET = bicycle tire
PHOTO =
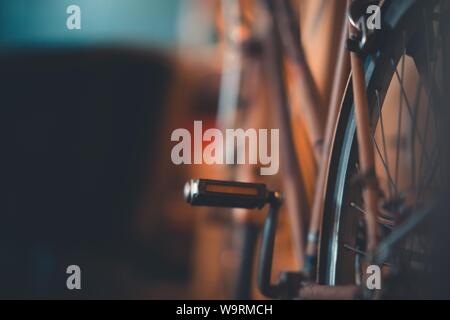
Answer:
(400, 17)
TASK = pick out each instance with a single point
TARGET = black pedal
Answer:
(226, 194)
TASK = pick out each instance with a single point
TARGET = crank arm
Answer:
(229, 194)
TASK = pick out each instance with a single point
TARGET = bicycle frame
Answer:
(282, 41)
(326, 130)
(322, 130)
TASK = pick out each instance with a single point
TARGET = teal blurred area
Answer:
(42, 23)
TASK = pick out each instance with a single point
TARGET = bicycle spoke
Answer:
(432, 170)
(431, 76)
(391, 185)
(400, 114)
(354, 205)
(413, 136)
(382, 221)
(361, 253)
(408, 104)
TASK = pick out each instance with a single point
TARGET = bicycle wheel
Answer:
(404, 88)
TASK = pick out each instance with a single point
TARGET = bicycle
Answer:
(363, 211)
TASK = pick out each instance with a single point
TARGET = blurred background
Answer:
(85, 170)
(85, 120)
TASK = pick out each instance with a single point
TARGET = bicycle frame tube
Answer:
(365, 147)
(322, 133)
(306, 88)
(339, 83)
(367, 161)
(293, 185)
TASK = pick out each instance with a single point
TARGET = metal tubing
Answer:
(308, 92)
(339, 84)
(365, 147)
(293, 187)
(266, 254)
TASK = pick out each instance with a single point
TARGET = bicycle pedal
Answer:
(226, 194)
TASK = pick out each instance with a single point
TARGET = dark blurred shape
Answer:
(77, 132)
